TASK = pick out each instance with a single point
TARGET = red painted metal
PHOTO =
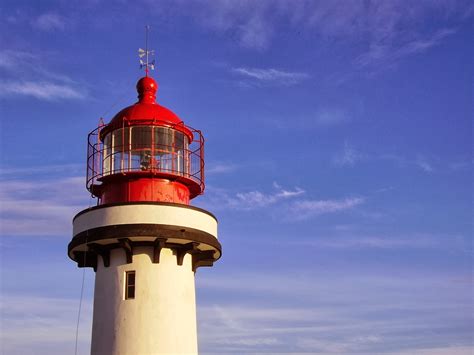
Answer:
(124, 188)
(146, 153)
(146, 110)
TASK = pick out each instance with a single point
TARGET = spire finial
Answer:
(148, 54)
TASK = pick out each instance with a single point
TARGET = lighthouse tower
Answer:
(143, 239)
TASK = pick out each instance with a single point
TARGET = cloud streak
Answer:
(221, 168)
(331, 117)
(424, 165)
(360, 241)
(385, 32)
(305, 209)
(271, 76)
(385, 52)
(43, 324)
(349, 156)
(40, 90)
(34, 80)
(49, 22)
(34, 207)
(289, 204)
(350, 313)
(257, 199)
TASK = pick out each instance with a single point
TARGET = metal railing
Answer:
(185, 161)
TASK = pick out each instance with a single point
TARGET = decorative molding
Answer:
(89, 258)
(111, 234)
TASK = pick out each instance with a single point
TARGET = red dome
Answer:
(146, 111)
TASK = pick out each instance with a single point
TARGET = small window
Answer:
(129, 285)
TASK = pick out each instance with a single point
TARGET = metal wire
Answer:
(82, 288)
(80, 306)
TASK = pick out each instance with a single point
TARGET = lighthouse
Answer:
(143, 239)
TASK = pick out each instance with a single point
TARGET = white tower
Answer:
(143, 239)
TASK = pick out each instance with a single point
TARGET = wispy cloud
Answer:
(251, 200)
(258, 199)
(349, 156)
(11, 60)
(461, 165)
(35, 80)
(359, 241)
(220, 168)
(350, 313)
(437, 350)
(272, 76)
(255, 33)
(424, 165)
(305, 209)
(385, 32)
(43, 325)
(45, 169)
(49, 22)
(248, 23)
(40, 207)
(40, 90)
(331, 116)
(288, 204)
(385, 52)
(419, 161)
(323, 118)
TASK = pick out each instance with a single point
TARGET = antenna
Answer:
(147, 54)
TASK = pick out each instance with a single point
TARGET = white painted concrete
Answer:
(162, 317)
(148, 214)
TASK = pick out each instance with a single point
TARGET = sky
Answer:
(338, 163)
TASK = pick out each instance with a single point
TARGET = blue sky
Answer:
(338, 156)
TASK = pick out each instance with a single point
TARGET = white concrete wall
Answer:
(162, 317)
(147, 214)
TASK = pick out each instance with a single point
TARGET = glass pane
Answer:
(145, 148)
(107, 152)
(141, 137)
(131, 278)
(180, 147)
(120, 149)
(141, 158)
(163, 140)
(178, 140)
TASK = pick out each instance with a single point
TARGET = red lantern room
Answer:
(146, 153)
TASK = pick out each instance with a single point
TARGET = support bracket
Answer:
(101, 250)
(185, 248)
(127, 246)
(204, 258)
(85, 259)
(158, 244)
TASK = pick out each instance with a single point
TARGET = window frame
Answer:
(130, 285)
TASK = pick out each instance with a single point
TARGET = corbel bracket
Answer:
(158, 244)
(127, 246)
(101, 250)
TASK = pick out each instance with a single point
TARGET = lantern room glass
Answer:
(146, 148)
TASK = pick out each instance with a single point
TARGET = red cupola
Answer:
(145, 154)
